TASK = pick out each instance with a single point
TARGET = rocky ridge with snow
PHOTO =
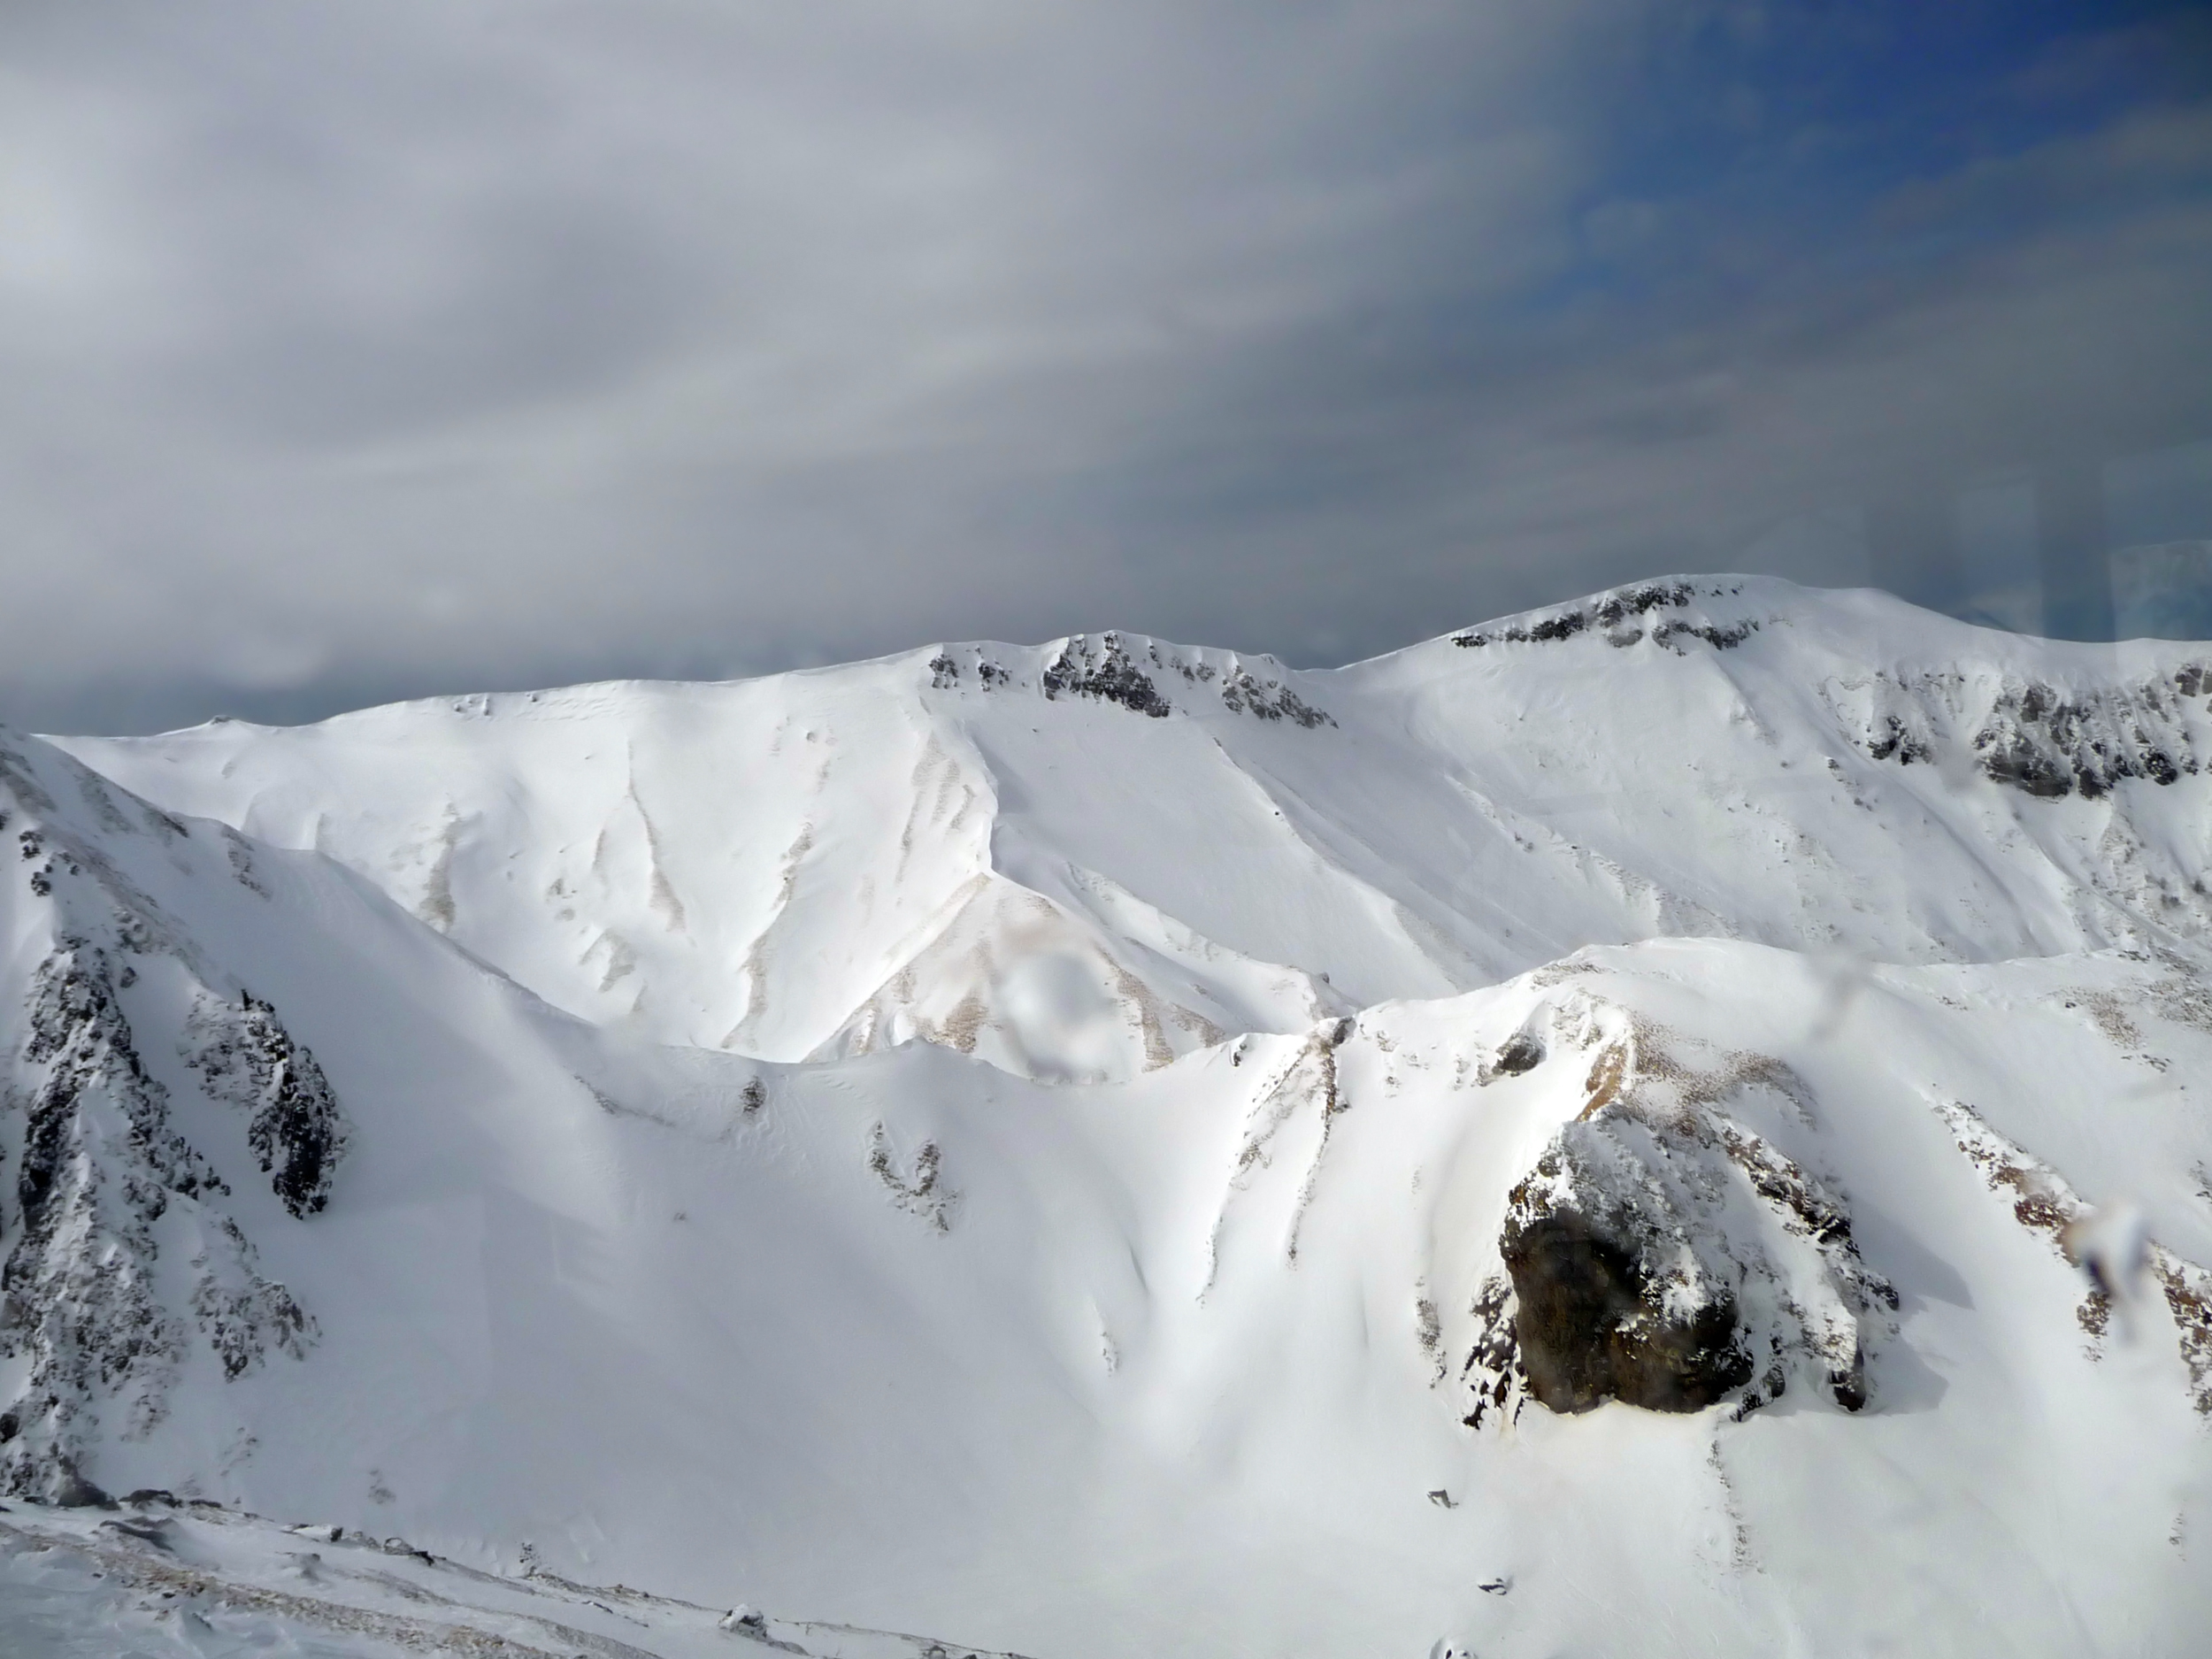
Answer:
(1113, 1145)
(124, 1246)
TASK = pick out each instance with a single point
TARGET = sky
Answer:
(357, 352)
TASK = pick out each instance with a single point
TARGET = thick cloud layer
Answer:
(349, 352)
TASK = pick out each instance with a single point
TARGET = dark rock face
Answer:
(944, 672)
(1616, 607)
(2043, 740)
(1109, 669)
(1270, 700)
(1721, 639)
(78, 1031)
(1667, 1254)
(1899, 742)
(1106, 671)
(1618, 614)
(2051, 745)
(297, 1132)
(1592, 1326)
(102, 1164)
(242, 1314)
(1518, 1055)
(120, 1252)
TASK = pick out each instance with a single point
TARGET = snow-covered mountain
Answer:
(1670, 1124)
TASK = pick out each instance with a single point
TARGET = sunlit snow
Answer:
(1059, 1148)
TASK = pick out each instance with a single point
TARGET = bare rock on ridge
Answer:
(1596, 1322)
(1664, 1253)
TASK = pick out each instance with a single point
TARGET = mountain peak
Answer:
(1618, 1085)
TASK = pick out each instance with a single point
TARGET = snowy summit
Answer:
(1672, 1124)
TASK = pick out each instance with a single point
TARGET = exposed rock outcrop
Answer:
(1619, 616)
(1270, 700)
(2052, 744)
(296, 1129)
(120, 1250)
(1107, 671)
(105, 1182)
(1597, 1318)
(1666, 1253)
(99, 1166)
(2046, 740)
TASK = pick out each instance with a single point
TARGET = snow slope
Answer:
(1104, 1148)
(1082, 858)
(190, 1577)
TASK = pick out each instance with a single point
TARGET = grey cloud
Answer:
(374, 350)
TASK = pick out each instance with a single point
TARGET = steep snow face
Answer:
(816, 864)
(989, 847)
(1117, 1149)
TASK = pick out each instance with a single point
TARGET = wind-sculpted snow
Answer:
(1639, 1133)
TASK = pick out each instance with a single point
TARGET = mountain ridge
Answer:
(1510, 753)
(1570, 1150)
